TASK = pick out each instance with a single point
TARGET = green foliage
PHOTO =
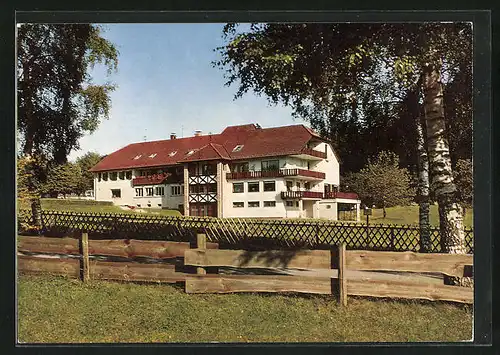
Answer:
(382, 182)
(63, 179)
(86, 162)
(354, 82)
(58, 102)
(464, 181)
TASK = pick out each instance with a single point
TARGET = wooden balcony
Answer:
(154, 179)
(338, 194)
(275, 174)
(285, 195)
(314, 153)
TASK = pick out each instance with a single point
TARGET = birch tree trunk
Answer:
(423, 189)
(450, 211)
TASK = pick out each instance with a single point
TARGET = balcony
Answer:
(308, 174)
(310, 154)
(338, 194)
(154, 179)
(285, 195)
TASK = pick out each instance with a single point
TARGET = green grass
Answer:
(409, 215)
(56, 309)
(82, 206)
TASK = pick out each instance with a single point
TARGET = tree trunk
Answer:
(384, 211)
(450, 211)
(423, 189)
(36, 211)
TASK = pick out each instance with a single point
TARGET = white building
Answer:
(245, 171)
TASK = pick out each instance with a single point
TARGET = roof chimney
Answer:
(173, 136)
(197, 133)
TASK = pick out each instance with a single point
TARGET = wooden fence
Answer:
(337, 271)
(133, 260)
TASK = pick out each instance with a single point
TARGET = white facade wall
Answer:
(330, 166)
(327, 209)
(229, 197)
(102, 191)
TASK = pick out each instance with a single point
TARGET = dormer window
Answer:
(152, 155)
(238, 148)
(173, 153)
(190, 152)
(137, 156)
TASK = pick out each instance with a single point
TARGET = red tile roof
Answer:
(257, 142)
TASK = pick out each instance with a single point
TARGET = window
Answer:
(239, 167)
(128, 175)
(113, 176)
(152, 155)
(212, 187)
(268, 165)
(116, 193)
(137, 156)
(289, 185)
(238, 187)
(238, 148)
(138, 205)
(238, 204)
(149, 191)
(159, 205)
(176, 190)
(159, 191)
(208, 169)
(143, 173)
(121, 175)
(105, 176)
(172, 153)
(253, 203)
(296, 203)
(298, 186)
(138, 192)
(149, 205)
(253, 186)
(269, 203)
(289, 203)
(190, 152)
(328, 207)
(99, 176)
(269, 185)
(307, 185)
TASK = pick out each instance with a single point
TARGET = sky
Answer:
(166, 84)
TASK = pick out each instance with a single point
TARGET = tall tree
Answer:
(57, 100)
(324, 71)
(63, 179)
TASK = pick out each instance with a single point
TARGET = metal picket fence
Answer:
(237, 232)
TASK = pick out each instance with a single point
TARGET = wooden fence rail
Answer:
(72, 257)
(362, 273)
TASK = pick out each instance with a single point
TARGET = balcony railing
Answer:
(319, 195)
(154, 179)
(301, 194)
(314, 153)
(275, 173)
(338, 194)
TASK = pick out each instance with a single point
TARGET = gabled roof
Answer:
(256, 142)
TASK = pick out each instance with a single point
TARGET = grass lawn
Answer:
(56, 309)
(409, 215)
(55, 205)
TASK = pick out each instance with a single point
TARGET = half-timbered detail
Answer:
(245, 171)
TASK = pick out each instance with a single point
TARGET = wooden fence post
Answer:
(342, 276)
(201, 243)
(85, 257)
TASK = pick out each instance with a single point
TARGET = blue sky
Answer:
(166, 83)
